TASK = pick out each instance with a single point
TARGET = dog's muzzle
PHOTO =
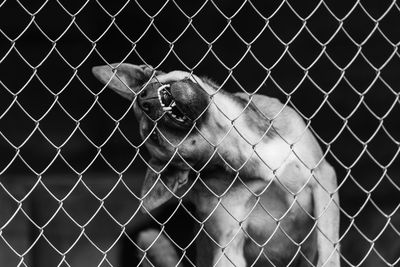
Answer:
(184, 102)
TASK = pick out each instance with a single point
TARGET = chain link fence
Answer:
(72, 161)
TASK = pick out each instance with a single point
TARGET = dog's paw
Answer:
(157, 249)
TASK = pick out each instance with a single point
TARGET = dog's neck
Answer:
(257, 149)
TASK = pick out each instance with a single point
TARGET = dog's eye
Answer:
(168, 104)
(154, 136)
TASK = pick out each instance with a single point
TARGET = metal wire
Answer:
(16, 203)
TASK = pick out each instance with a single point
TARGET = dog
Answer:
(263, 191)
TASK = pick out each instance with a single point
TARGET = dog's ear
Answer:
(125, 79)
(158, 188)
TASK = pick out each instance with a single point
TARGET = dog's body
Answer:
(262, 189)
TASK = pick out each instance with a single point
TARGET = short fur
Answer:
(266, 194)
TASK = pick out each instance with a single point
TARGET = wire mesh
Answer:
(72, 161)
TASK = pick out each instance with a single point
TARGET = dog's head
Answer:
(170, 108)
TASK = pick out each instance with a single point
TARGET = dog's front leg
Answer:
(226, 251)
(221, 243)
(327, 213)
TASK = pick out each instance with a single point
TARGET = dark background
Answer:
(336, 62)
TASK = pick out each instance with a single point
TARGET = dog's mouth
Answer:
(168, 104)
